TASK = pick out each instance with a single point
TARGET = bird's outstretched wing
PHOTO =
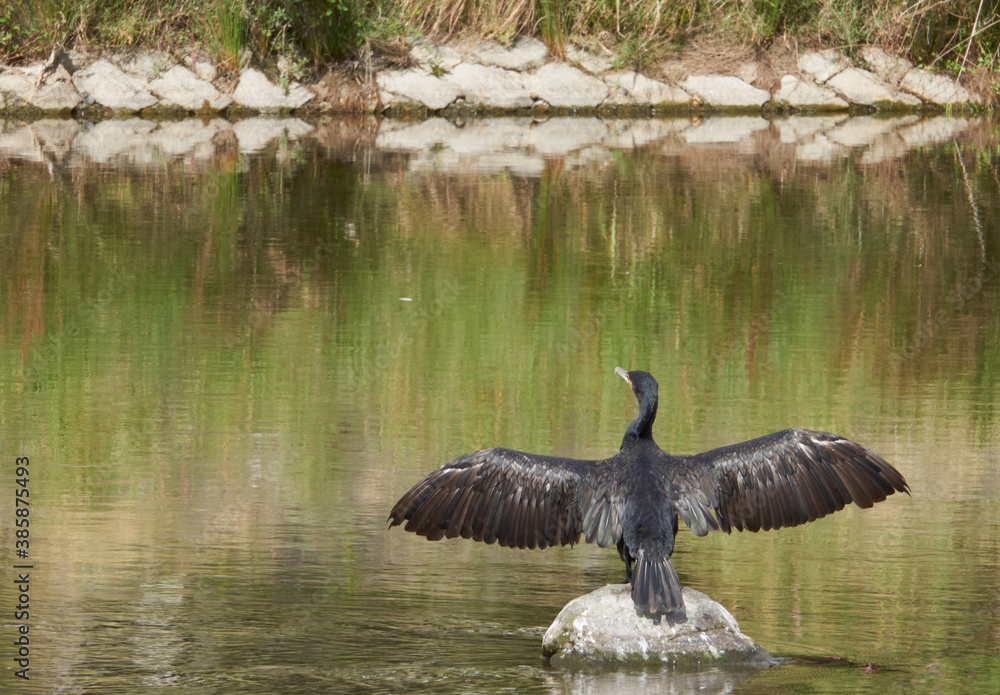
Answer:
(783, 479)
(516, 499)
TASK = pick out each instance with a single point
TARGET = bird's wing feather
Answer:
(782, 479)
(516, 499)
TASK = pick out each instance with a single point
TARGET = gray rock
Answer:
(205, 70)
(936, 88)
(720, 90)
(603, 625)
(255, 91)
(490, 86)
(430, 56)
(643, 90)
(862, 87)
(823, 65)
(594, 64)
(15, 87)
(147, 65)
(416, 86)
(78, 58)
(889, 68)
(524, 54)
(201, 66)
(563, 86)
(180, 87)
(110, 86)
(802, 93)
(55, 94)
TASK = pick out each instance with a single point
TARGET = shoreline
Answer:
(478, 79)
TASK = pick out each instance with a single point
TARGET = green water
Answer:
(225, 368)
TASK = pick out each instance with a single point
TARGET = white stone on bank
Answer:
(803, 94)
(490, 76)
(823, 65)
(416, 86)
(179, 87)
(255, 91)
(862, 87)
(112, 87)
(723, 90)
(56, 93)
(890, 68)
(594, 64)
(563, 86)
(146, 65)
(642, 90)
(432, 57)
(490, 86)
(936, 88)
(524, 54)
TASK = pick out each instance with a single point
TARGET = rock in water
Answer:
(604, 626)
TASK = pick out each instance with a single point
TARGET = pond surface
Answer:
(227, 350)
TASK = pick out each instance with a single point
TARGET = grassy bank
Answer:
(962, 36)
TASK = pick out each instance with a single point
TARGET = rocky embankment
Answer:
(479, 79)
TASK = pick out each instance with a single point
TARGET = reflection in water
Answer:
(205, 353)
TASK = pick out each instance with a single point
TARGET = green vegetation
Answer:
(958, 35)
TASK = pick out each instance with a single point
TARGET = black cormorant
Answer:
(633, 499)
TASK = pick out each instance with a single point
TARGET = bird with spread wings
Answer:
(633, 499)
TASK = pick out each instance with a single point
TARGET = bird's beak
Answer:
(623, 374)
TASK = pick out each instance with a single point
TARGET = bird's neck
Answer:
(642, 426)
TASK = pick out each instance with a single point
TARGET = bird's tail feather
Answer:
(656, 589)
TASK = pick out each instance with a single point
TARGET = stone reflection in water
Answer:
(594, 681)
(520, 146)
(139, 142)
